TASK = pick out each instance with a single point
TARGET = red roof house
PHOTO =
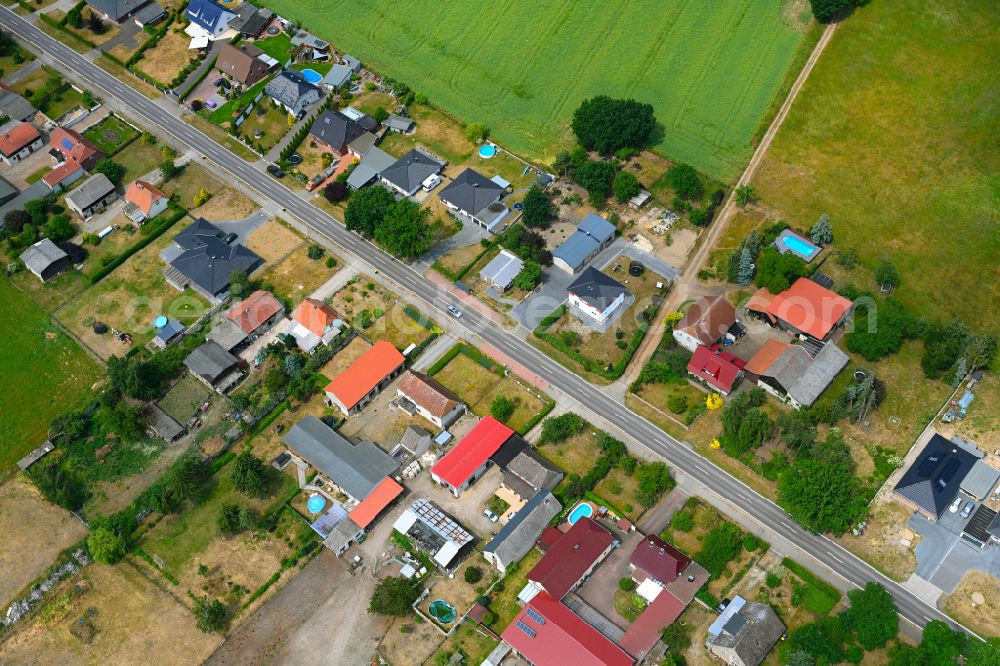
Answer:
(18, 142)
(571, 558)
(71, 145)
(144, 201)
(65, 174)
(550, 536)
(468, 460)
(370, 507)
(354, 388)
(315, 315)
(546, 633)
(642, 634)
(256, 310)
(716, 367)
(655, 558)
(809, 308)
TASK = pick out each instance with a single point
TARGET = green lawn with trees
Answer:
(712, 71)
(42, 363)
(893, 136)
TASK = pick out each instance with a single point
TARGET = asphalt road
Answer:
(676, 454)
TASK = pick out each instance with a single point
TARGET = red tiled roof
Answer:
(549, 538)
(645, 631)
(254, 310)
(475, 448)
(658, 559)
(143, 195)
(708, 319)
(766, 356)
(61, 173)
(809, 307)
(719, 368)
(72, 144)
(566, 561)
(427, 393)
(365, 512)
(17, 137)
(315, 315)
(561, 638)
(760, 300)
(365, 373)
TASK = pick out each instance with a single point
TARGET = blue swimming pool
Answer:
(581, 510)
(312, 76)
(315, 503)
(487, 151)
(790, 242)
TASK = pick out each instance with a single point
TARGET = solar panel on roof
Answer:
(949, 471)
(927, 466)
(67, 144)
(535, 616)
(526, 629)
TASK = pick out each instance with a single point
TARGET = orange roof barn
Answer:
(365, 374)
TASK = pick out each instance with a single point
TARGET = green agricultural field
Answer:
(712, 70)
(894, 136)
(44, 373)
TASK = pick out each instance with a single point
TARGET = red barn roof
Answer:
(385, 492)
(658, 559)
(546, 633)
(809, 307)
(365, 373)
(568, 559)
(475, 448)
(717, 367)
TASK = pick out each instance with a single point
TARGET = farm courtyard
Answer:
(719, 66)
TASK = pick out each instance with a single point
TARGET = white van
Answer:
(431, 182)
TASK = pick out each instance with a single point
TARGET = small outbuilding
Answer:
(44, 259)
(502, 270)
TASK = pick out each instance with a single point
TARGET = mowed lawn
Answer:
(44, 373)
(710, 69)
(894, 136)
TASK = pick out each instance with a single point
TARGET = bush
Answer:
(476, 132)
(560, 428)
(625, 186)
(473, 575)
(677, 403)
(315, 251)
(773, 580)
(684, 180)
(209, 615)
(750, 543)
(106, 546)
(682, 521)
(720, 546)
(502, 408)
(394, 596)
(626, 585)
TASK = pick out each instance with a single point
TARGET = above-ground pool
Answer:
(315, 503)
(487, 151)
(788, 241)
(581, 510)
(442, 611)
(160, 321)
(312, 76)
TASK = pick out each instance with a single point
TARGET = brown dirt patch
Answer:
(30, 547)
(345, 357)
(237, 560)
(461, 257)
(133, 617)
(983, 618)
(224, 206)
(273, 241)
(412, 648)
(268, 444)
(882, 543)
(297, 276)
(456, 591)
(467, 378)
(168, 57)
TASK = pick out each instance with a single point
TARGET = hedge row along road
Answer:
(731, 491)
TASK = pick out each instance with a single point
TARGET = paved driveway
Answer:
(599, 589)
(935, 543)
(965, 557)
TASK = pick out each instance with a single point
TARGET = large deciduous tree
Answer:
(607, 125)
(538, 208)
(366, 210)
(872, 615)
(404, 231)
(393, 596)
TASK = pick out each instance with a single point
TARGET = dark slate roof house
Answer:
(475, 196)
(935, 476)
(408, 173)
(356, 468)
(335, 130)
(596, 289)
(744, 633)
(252, 20)
(291, 90)
(210, 363)
(518, 536)
(208, 261)
(150, 14)
(528, 473)
(117, 10)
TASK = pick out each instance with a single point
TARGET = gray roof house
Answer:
(226, 333)
(161, 424)
(596, 289)
(474, 197)
(207, 261)
(371, 165)
(117, 10)
(210, 363)
(744, 633)
(167, 332)
(251, 21)
(352, 62)
(795, 376)
(7, 193)
(935, 476)
(408, 173)
(529, 473)
(354, 468)
(502, 270)
(92, 196)
(519, 535)
(292, 91)
(150, 14)
(338, 76)
(335, 131)
(397, 123)
(44, 259)
(592, 235)
(13, 105)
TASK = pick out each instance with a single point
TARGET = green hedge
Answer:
(78, 7)
(220, 462)
(456, 276)
(268, 420)
(194, 84)
(549, 406)
(172, 215)
(149, 560)
(59, 26)
(811, 578)
(445, 360)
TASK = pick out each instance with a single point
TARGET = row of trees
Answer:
(398, 227)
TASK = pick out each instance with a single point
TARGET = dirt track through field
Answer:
(687, 285)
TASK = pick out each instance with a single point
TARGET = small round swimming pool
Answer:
(160, 321)
(487, 151)
(312, 76)
(581, 510)
(315, 503)
(442, 611)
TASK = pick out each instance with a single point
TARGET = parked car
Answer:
(431, 182)
(968, 509)
(956, 504)
(492, 516)
(454, 312)
(275, 171)
(219, 82)
(519, 206)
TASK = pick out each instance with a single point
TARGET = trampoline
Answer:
(442, 611)
(294, 158)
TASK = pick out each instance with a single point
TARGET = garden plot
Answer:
(111, 134)
(184, 398)
(296, 277)
(170, 55)
(387, 316)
